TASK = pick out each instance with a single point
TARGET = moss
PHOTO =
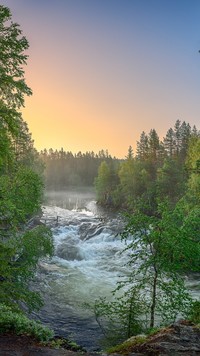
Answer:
(126, 346)
(63, 343)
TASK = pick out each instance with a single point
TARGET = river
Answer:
(86, 265)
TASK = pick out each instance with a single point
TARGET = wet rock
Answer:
(68, 252)
(89, 230)
(33, 222)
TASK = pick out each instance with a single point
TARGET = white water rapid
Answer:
(86, 265)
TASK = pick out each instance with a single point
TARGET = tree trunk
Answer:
(130, 318)
(153, 305)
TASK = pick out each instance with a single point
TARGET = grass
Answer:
(126, 346)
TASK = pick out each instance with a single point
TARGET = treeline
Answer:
(65, 169)
(159, 170)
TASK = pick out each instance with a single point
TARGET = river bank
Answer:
(179, 339)
(24, 345)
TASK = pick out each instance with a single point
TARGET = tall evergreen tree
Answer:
(20, 186)
(143, 146)
(169, 143)
(154, 145)
(130, 153)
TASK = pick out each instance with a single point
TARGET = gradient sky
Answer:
(102, 71)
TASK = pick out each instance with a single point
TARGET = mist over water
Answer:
(86, 265)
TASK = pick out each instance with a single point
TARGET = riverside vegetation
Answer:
(159, 189)
(20, 190)
(159, 192)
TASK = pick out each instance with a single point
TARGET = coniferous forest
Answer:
(65, 169)
(156, 188)
(158, 169)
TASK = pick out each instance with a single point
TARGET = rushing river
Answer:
(86, 265)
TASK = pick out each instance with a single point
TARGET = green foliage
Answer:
(20, 185)
(131, 179)
(12, 45)
(126, 346)
(59, 342)
(162, 238)
(161, 248)
(64, 169)
(19, 324)
(73, 346)
(27, 191)
(156, 172)
(193, 166)
(21, 195)
(19, 259)
(121, 318)
(13, 88)
(194, 313)
(171, 180)
(105, 183)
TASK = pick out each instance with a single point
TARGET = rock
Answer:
(24, 345)
(33, 222)
(180, 338)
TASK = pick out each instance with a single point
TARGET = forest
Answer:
(63, 170)
(158, 189)
(158, 193)
(159, 170)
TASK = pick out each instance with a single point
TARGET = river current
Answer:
(86, 265)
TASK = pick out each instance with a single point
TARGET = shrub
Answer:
(195, 312)
(18, 323)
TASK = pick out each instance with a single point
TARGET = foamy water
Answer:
(87, 264)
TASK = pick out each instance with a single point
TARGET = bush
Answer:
(126, 346)
(194, 314)
(18, 323)
(120, 318)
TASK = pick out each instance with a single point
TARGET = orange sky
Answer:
(104, 71)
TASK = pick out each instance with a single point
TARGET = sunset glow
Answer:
(103, 71)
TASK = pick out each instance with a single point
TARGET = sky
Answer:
(103, 71)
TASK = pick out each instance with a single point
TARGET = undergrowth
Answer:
(18, 323)
(126, 346)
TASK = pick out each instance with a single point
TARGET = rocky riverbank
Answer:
(24, 345)
(179, 339)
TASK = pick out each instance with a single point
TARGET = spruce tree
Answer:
(20, 184)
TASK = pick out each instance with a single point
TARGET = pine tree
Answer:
(130, 153)
(154, 145)
(169, 143)
(143, 147)
(20, 185)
